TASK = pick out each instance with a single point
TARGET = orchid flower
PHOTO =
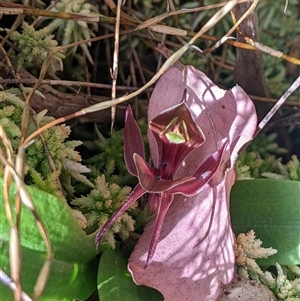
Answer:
(176, 135)
(195, 133)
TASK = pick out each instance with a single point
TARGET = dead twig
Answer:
(114, 71)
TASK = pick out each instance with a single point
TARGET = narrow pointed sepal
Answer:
(165, 202)
(136, 193)
(133, 141)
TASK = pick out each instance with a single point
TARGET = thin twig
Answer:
(6, 280)
(293, 87)
(114, 72)
(235, 26)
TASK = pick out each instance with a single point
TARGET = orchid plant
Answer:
(195, 133)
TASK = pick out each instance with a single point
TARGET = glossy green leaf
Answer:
(115, 282)
(73, 270)
(272, 209)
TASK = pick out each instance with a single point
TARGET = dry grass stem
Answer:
(114, 72)
(294, 86)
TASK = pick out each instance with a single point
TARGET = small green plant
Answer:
(100, 204)
(259, 161)
(284, 282)
(34, 45)
(70, 31)
(65, 159)
(109, 160)
(247, 249)
(54, 166)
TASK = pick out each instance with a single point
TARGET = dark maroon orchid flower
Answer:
(176, 136)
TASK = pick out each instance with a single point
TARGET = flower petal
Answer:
(165, 202)
(202, 176)
(133, 141)
(136, 193)
(190, 135)
(152, 184)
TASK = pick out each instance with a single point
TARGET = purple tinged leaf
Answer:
(133, 141)
(194, 254)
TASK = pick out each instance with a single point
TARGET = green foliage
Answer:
(9, 126)
(279, 35)
(65, 158)
(247, 249)
(48, 184)
(293, 167)
(99, 206)
(259, 161)
(70, 31)
(34, 45)
(284, 282)
(73, 267)
(271, 208)
(10, 115)
(110, 159)
(268, 11)
(66, 168)
(115, 283)
(266, 145)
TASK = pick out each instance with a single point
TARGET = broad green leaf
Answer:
(272, 209)
(67, 280)
(115, 282)
(73, 271)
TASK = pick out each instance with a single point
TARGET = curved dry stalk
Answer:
(23, 196)
(14, 244)
(7, 178)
